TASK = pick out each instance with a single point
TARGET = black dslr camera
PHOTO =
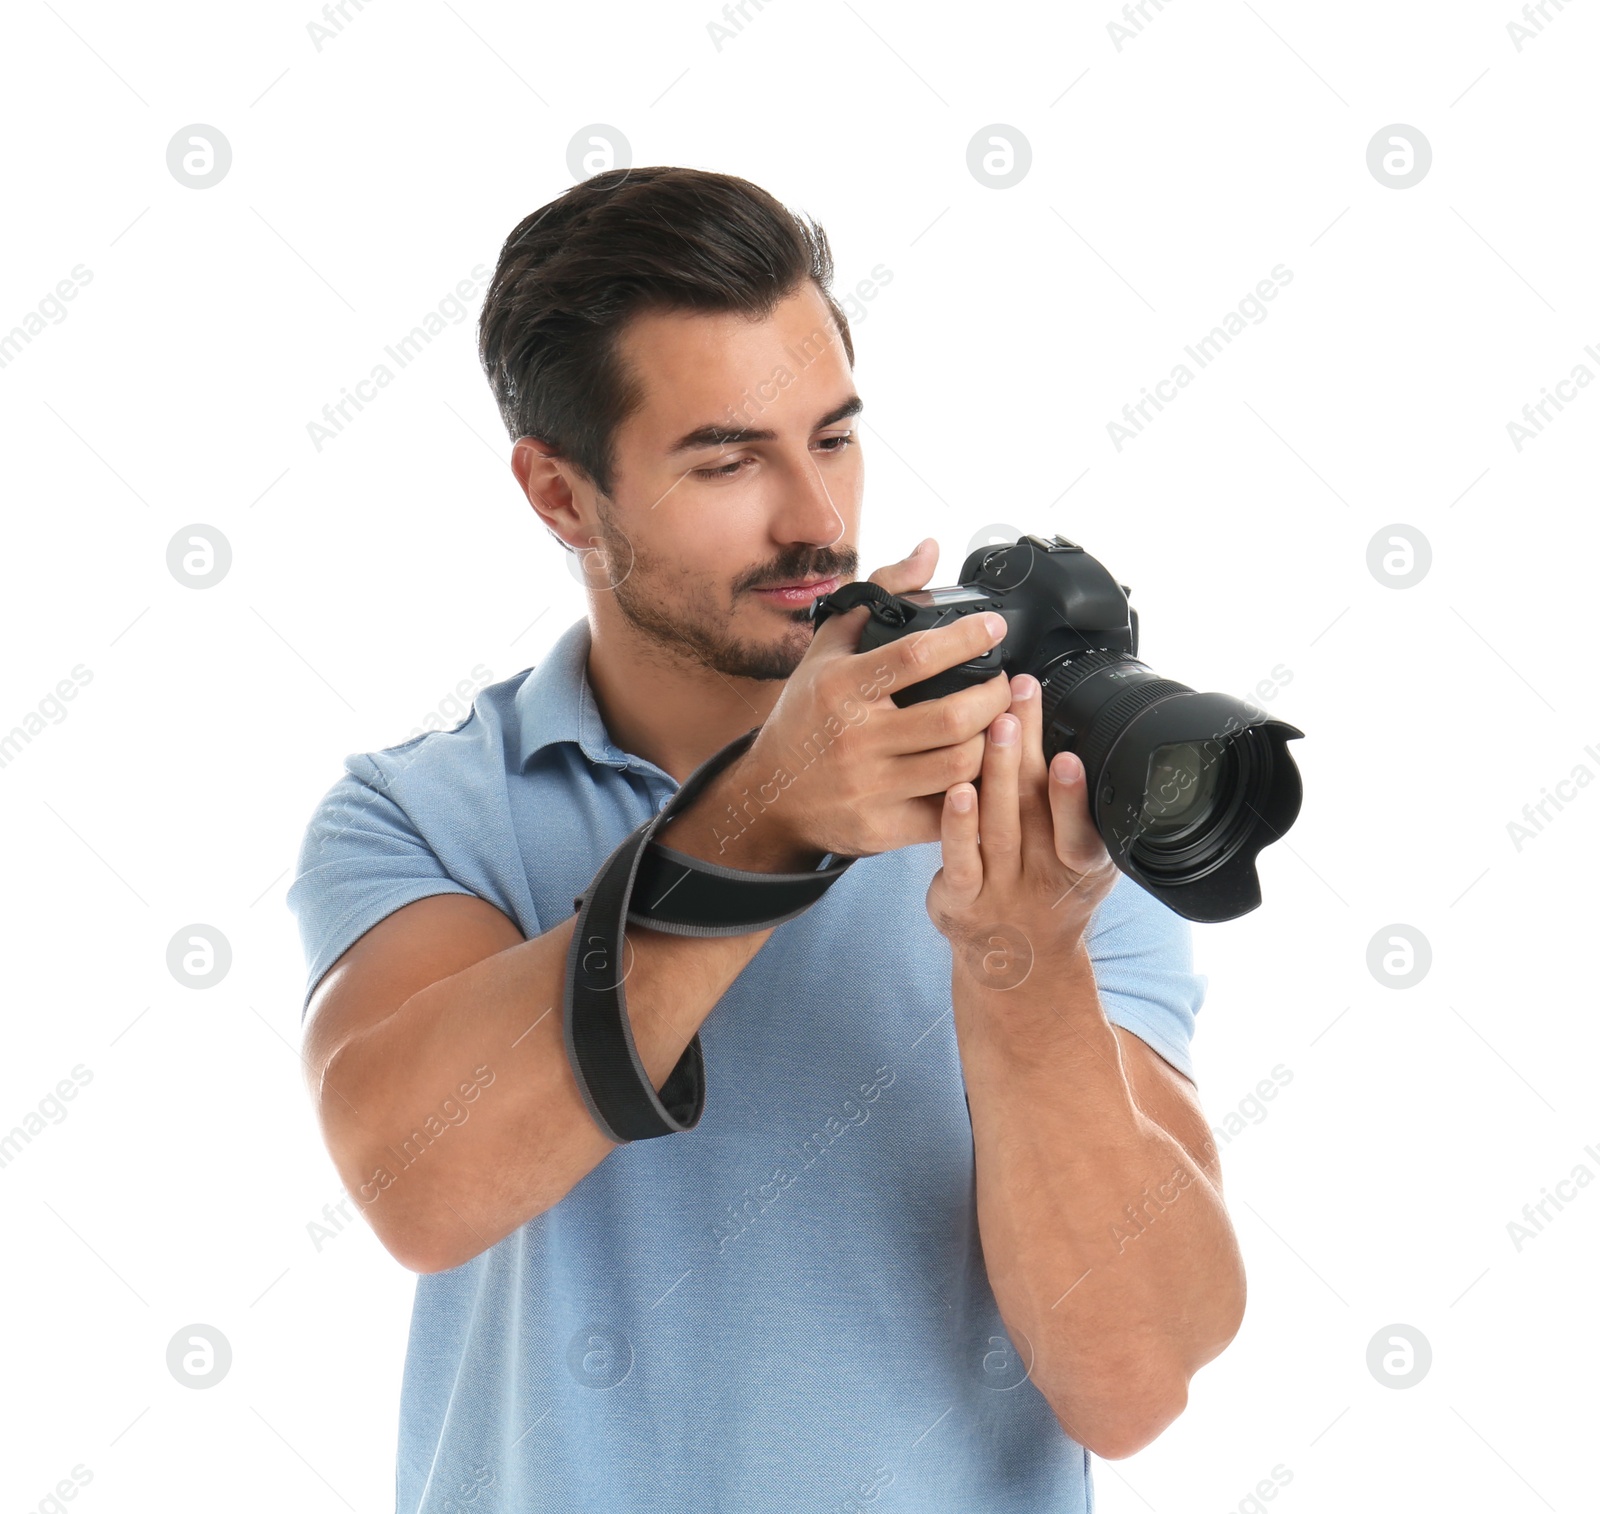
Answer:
(1185, 788)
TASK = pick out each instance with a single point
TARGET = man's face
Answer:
(740, 472)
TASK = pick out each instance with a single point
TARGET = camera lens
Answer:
(1179, 791)
(1186, 787)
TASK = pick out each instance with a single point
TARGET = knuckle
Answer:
(962, 762)
(915, 652)
(951, 723)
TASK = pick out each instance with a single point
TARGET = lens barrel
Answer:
(1185, 788)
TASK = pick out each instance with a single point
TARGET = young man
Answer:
(950, 1219)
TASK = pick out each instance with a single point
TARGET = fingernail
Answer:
(1024, 686)
(995, 623)
(961, 800)
(1064, 768)
(1004, 731)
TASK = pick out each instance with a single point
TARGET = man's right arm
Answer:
(436, 1058)
(435, 1050)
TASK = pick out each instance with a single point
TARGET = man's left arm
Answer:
(1108, 1247)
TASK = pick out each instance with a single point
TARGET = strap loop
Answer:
(683, 896)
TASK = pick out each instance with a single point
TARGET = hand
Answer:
(838, 766)
(1024, 866)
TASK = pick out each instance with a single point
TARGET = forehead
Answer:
(697, 366)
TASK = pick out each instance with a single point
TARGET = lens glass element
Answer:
(1180, 789)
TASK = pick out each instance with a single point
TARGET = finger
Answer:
(934, 772)
(910, 659)
(952, 719)
(958, 844)
(1078, 844)
(1027, 707)
(999, 824)
(911, 572)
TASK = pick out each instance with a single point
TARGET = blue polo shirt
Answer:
(785, 1308)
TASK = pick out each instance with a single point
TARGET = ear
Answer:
(543, 476)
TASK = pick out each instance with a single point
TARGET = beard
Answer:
(684, 620)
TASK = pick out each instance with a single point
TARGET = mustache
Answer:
(827, 565)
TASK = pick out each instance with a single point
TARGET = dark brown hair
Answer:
(573, 273)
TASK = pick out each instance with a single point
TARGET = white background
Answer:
(370, 577)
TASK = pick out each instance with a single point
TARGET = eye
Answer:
(727, 470)
(845, 439)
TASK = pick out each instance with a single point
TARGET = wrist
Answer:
(739, 821)
(1021, 1002)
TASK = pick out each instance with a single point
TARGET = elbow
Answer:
(1118, 1431)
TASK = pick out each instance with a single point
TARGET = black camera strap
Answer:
(682, 896)
(881, 604)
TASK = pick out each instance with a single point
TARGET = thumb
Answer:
(911, 572)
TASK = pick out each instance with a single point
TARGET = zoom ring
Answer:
(1062, 680)
(1111, 720)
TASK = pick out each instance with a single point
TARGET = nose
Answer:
(807, 512)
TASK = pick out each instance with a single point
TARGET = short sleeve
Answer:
(362, 858)
(1144, 970)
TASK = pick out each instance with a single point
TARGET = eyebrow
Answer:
(734, 436)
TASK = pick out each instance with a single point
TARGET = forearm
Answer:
(1107, 1245)
(458, 1118)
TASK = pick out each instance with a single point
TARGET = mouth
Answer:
(799, 595)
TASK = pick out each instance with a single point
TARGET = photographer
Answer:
(952, 1214)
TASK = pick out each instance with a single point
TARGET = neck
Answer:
(664, 704)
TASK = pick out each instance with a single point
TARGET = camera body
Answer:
(1185, 788)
